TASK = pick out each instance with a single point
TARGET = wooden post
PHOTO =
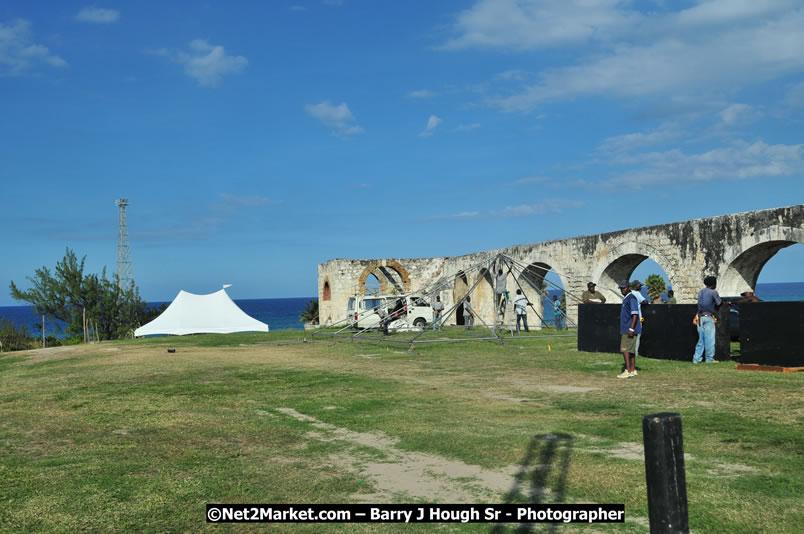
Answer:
(84, 311)
(44, 341)
(664, 472)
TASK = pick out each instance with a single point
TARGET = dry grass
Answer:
(126, 436)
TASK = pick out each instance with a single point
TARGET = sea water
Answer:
(278, 314)
(282, 314)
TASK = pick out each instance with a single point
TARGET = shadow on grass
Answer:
(541, 478)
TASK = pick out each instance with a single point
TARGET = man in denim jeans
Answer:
(708, 303)
(438, 307)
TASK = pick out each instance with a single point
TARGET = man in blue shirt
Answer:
(630, 327)
(708, 303)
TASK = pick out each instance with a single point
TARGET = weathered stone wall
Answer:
(733, 248)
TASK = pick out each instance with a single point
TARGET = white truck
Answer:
(366, 311)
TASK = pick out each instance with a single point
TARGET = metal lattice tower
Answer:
(123, 251)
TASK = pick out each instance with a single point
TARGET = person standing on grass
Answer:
(438, 307)
(708, 304)
(468, 313)
(520, 307)
(636, 290)
(630, 327)
(558, 313)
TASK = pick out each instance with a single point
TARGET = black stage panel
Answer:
(667, 332)
(598, 327)
(770, 333)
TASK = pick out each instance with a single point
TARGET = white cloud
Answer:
(534, 24)
(207, 63)
(618, 52)
(339, 118)
(739, 161)
(540, 208)
(548, 205)
(738, 113)
(432, 124)
(459, 215)
(467, 127)
(632, 141)
(421, 93)
(730, 11)
(731, 59)
(98, 15)
(510, 75)
(18, 54)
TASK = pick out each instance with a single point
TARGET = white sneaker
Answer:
(624, 374)
(633, 373)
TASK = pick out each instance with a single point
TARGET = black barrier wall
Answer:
(667, 332)
(770, 333)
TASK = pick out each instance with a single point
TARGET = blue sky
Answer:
(255, 140)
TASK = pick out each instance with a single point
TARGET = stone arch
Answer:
(326, 291)
(535, 273)
(530, 280)
(621, 262)
(382, 270)
(540, 266)
(537, 270)
(459, 288)
(743, 269)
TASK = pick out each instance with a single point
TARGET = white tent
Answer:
(189, 313)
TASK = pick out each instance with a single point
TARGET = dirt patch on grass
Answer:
(49, 353)
(408, 474)
(567, 389)
(500, 396)
(527, 385)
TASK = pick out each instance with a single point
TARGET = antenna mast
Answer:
(123, 251)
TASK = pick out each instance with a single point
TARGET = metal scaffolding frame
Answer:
(346, 329)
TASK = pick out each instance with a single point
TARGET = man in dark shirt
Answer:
(590, 296)
(708, 303)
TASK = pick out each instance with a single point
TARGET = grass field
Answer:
(124, 436)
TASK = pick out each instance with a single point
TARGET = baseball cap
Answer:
(636, 283)
(590, 284)
(623, 284)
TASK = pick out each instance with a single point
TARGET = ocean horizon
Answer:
(277, 313)
(283, 313)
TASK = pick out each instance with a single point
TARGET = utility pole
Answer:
(124, 277)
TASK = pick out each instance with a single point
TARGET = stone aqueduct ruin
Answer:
(734, 248)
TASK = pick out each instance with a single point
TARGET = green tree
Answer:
(656, 286)
(310, 312)
(69, 294)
